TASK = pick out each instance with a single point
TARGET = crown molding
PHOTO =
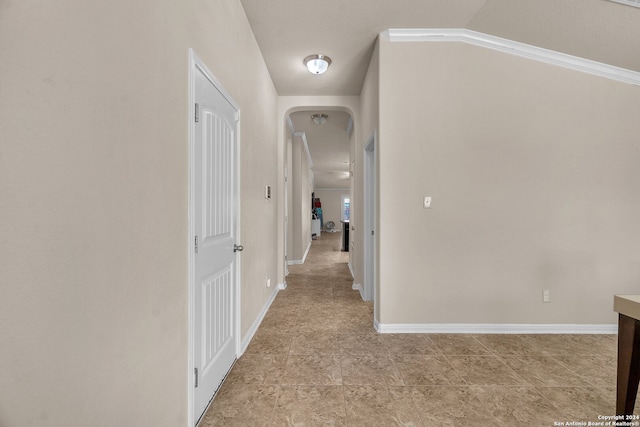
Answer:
(633, 3)
(515, 48)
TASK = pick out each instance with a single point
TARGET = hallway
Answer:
(316, 360)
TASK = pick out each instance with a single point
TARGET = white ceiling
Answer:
(346, 30)
(328, 145)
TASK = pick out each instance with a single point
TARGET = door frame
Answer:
(370, 216)
(195, 63)
(344, 197)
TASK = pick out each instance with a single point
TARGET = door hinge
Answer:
(197, 117)
(195, 371)
(196, 244)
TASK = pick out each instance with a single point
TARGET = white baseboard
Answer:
(493, 328)
(282, 286)
(304, 257)
(306, 252)
(351, 269)
(256, 323)
(358, 287)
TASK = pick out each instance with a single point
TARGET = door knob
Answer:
(238, 248)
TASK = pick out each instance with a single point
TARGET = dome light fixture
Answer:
(317, 64)
(319, 119)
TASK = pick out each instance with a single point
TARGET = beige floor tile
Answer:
(358, 343)
(343, 283)
(484, 370)
(354, 322)
(341, 276)
(419, 369)
(258, 369)
(450, 406)
(317, 360)
(508, 345)
(296, 276)
(518, 406)
(458, 344)
(324, 308)
(543, 371)
(318, 293)
(347, 310)
(566, 345)
(283, 320)
(598, 371)
(315, 325)
(312, 369)
(409, 344)
(346, 295)
(285, 302)
(321, 342)
(270, 342)
(304, 300)
(317, 271)
(361, 326)
(369, 406)
(580, 403)
(316, 284)
(369, 369)
(239, 405)
(310, 406)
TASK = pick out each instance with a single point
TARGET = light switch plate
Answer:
(427, 202)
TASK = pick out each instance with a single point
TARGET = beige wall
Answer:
(300, 200)
(288, 187)
(369, 107)
(533, 170)
(93, 195)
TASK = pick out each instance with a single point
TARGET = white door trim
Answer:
(196, 63)
(370, 220)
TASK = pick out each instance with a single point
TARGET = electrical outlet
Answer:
(268, 283)
(545, 296)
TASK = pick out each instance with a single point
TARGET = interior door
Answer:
(215, 225)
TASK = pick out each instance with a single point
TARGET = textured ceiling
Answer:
(346, 30)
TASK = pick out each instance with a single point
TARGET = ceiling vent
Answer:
(634, 3)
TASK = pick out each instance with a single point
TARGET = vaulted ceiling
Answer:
(346, 30)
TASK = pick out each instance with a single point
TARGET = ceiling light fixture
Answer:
(319, 119)
(317, 64)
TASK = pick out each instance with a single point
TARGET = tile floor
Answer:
(316, 360)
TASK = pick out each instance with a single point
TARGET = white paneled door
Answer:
(215, 226)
